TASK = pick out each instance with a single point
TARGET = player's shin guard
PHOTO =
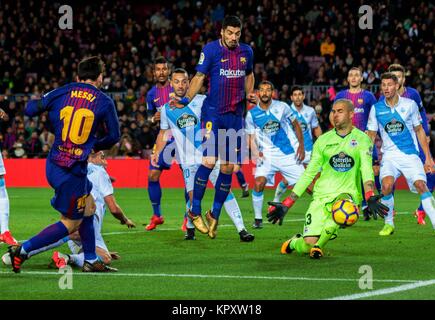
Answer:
(87, 237)
(4, 207)
(200, 184)
(257, 203)
(233, 210)
(46, 237)
(328, 232)
(223, 187)
(155, 194)
(280, 190)
(300, 246)
(428, 203)
(241, 178)
(388, 200)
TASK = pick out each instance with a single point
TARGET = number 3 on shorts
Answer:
(308, 219)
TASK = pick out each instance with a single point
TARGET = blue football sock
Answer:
(155, 194)
(87, 237)
(241, 178)
(378, 184)
(51, 234)
(420, 207)
(223, 187)
(200, 184)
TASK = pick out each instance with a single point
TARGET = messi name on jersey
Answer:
(341, 162)
(186, 120)
(394, 127)
(271, 127)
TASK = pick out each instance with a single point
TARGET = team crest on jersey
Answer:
(342, 162)
(360, 100)
(353, 143)
(271, 126)
(303, 126)
(186, 120)
(394, 127)
(242, 59)
(201, 58)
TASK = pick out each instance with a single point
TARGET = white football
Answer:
(6, 259)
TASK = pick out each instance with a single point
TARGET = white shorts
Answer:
(189, 176)
(76, 247)
(408, 165)
(286, 165)
(2, 165)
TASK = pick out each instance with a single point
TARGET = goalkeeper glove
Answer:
(375, 207)
(278, 210)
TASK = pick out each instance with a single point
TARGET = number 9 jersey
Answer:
(76, 111)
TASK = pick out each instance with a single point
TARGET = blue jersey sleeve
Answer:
(339, 95)
(150, 102)
(206, 59)
(416, 97)
(37, 106)
(112, 126)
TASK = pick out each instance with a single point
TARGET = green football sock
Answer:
(328, 231)
(300, 246)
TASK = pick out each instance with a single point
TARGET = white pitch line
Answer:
(401, 288)
(208, 276)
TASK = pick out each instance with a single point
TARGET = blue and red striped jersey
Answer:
(76, 111)
(226, 70)
(362, 101)
(158, 96)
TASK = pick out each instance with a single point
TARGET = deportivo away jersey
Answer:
(185, 126)
(396, 125)
(227, 70)
(343, 161)
(101, 188)
(362, 102)
(272, 128)
(307, 119)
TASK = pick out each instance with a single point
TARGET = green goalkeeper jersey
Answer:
(342, 161)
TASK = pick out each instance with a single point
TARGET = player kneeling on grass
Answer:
(344, 154)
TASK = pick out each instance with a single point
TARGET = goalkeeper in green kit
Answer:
(344, 157)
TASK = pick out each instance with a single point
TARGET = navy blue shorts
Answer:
(164, 163)
(71, 188)
(223, 134)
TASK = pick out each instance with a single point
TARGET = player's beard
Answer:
(265, 99)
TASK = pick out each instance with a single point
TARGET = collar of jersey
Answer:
(345, 135)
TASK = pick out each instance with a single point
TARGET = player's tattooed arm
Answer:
(195, 85)
(369, 186)
(117, 211)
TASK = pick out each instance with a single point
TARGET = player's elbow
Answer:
(31, 108)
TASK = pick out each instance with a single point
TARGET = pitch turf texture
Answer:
(161, 265)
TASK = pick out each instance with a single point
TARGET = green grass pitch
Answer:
(161, 265)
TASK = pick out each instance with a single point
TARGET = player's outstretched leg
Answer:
(233, 210)
(280, 190)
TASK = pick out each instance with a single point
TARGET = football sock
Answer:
(77, 259)
(420, 207)
(222, 189)
(378, 184)
(257, 203)
(87, 237)
(233, 210)
(4, 207)
(300, 246)
(280, 190)
(241, 179)
(50, 246)
(388, 200)
(428, 204)
(155, 194)
(47, 236)
(329, 230)
(200, 184)
(189, 224)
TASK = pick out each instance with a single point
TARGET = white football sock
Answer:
(257, 202)
(4, 207)
(77, 259)
(427, 201)
(233, 210)
(389, 202)
(280, 190)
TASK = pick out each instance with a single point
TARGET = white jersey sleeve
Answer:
(314, 121)
(372, 124)
(289, 113)
(249, 124)
(164, 125)
(104, 183)
(415, 115)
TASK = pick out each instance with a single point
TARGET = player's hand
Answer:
(300, 153)
(115, 255)
(252, 97)
(177, 102)
(154, 159)
(278, 210)
(130, 224)
(156, 116)
(375, 207)
(3, 115)
(429, 165)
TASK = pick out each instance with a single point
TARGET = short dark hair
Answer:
(389, 75)
(396, 67)
(265, 82)
(180, 70)
(296, 88)
(232, 21)
(90, 68)
(160, 60)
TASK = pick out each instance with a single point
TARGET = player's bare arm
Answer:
(249, 88)
(317, 131)
(300, 153)
(160, 144)
(421, 136)
(372, 135)
(117, 211)
(252, 144)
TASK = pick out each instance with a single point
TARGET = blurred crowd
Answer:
(305, 42)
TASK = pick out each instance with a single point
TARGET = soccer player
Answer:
(268, 125)
(184, 125)
(76, 111)
(411, 93)
(362, 101)
(156, 98)
(345, 156)
(5, 234)
(241, 180)
(229, 65)
(399, 124)
(307, 119)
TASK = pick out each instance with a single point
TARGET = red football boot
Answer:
(7, 238)
(155, 221)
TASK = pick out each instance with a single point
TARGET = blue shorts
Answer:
(223, 134)
(71, 188)
(375, 156)
(164, 163)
